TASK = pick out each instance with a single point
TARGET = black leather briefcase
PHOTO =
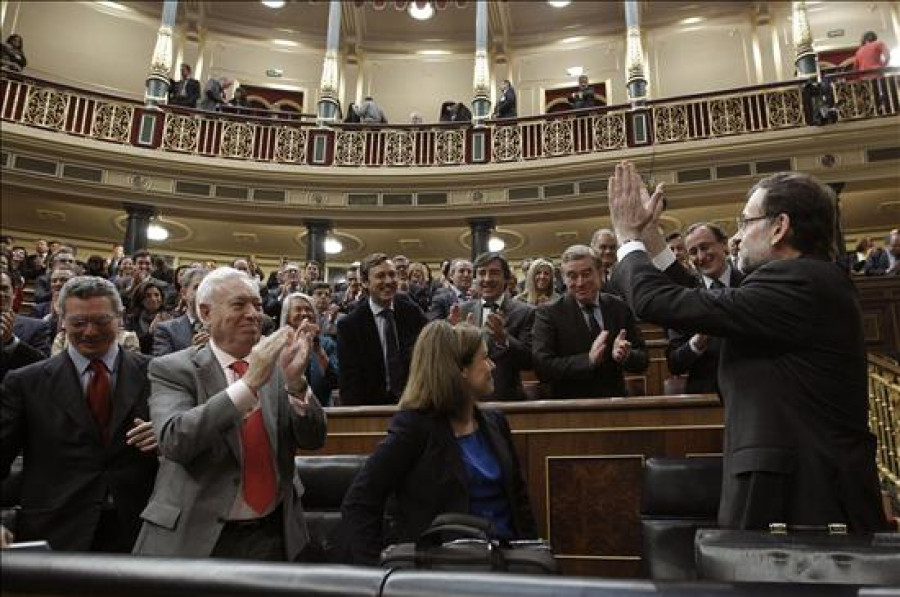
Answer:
(463, 542)
(801, 556)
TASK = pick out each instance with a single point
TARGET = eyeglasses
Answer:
(742, 221)
(79, 323)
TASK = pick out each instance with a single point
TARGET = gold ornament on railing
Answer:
(237, 140)
(181, 133)
(400, 148)
(784, 108)
(507, 143)
(609, 131)
(726, 116)
(46, 108)
(450, 147)
(112, 122)
(349, 148)
(290, 145)
(557, 137)
(884, 420)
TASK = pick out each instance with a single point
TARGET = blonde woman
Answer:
(539, 284)
(442, 453)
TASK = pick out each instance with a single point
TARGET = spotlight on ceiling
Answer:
(559, 3)
(273, 3)
(575, 71)
(333, 246)
(420, 12)
(691, 20)
(496, 244)
(157, 232)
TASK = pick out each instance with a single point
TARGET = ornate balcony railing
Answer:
(884, 419)
(284, 139)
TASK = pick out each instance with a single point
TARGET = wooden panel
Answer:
(879, 298)
(581, 460)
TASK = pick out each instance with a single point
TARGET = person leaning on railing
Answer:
(13, 55)
(442, 453)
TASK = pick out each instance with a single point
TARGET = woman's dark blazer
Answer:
(420, 464)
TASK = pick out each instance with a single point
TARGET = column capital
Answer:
(139, 209)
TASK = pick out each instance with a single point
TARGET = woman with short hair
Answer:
(145, 312)
(442, 453)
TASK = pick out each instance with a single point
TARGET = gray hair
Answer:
(600, 232)
(289, 302)
(576, 252)
(216, 279)
(188, 276)
(87, 287)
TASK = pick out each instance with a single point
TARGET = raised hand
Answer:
(294, 358)
(495, 326)
(455, 314)
(632, 209)
(621, 347)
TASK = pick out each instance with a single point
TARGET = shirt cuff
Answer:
(630, 247)
(242, 396)
(664, 260)
(693, 346)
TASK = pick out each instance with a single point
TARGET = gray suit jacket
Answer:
(198, 427)
(509, 360)
(172, 336)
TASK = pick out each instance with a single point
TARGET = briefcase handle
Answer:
(834, 528)
(475, 529)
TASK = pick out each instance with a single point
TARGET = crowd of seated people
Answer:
(212, 366)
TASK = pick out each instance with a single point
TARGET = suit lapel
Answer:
(269, 396)
(212, 381)
(62, 374)
(128, 387)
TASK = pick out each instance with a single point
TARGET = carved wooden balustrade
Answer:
(287, 139)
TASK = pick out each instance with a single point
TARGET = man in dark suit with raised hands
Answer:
(792, 368)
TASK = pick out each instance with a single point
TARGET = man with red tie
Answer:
(81, 420)
(229, 417)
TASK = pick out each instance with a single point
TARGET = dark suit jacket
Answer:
(441, 301)
(362, 376)
(561, 342)
(42, 292)
(419, 463)
(34, 332)
(198, 428)
(509, 360)
(18, 356)
(68, 471)
(172, 335)
(793, 383)
(702, 369)
(191, 94)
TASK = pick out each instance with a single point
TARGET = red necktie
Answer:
(258, 470)
(99, 399)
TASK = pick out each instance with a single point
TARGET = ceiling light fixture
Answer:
(286, 43)
(433, 53)
(572, 40)
(575, 71)
(559, 3)
(420, 12)
(114, 5)
(496, 244)
(333, 246)
(273, 3)
(692, 20)
(157, 232)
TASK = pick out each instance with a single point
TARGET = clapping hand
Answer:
(597, 353)
(621, 347)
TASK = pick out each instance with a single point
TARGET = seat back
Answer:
(680, 495)
(326, 480)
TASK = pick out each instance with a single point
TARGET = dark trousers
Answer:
(111, 535)
(261, 539)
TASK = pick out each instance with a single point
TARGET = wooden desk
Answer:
(582, 461)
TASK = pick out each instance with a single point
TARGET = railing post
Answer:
(327, 108)
(157, 87)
